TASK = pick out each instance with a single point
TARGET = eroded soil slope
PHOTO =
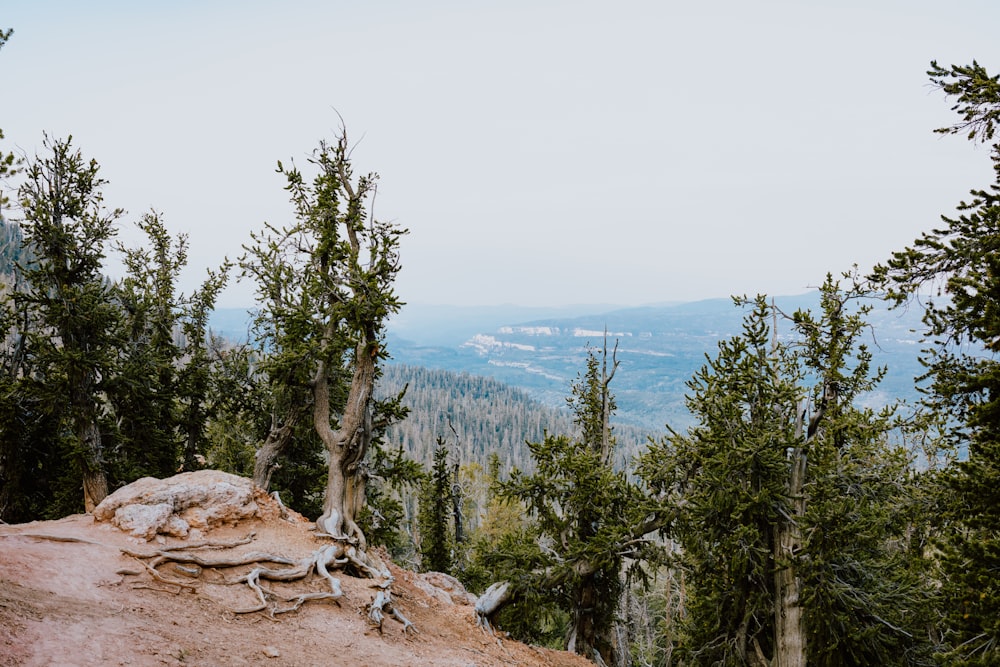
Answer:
(69, 596)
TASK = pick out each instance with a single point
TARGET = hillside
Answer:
(541, 350)
(69, 596)
(479, 415)
(660, 348)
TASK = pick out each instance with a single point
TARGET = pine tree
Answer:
(588, 518)
(143, 390)
(68, 228)
(326, 285)
(780, 470)
(437, 535)
(959, 262)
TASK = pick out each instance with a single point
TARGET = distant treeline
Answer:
(478, 417)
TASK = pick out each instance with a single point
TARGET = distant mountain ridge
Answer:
(660, 347)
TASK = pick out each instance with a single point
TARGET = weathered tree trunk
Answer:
(456, 504)
(278, 439)
(347, 445)
(789, 630)
(194, 416)
(584, 637)
(95, 482)
(496, 597)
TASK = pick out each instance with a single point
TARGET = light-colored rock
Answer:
(142, 520)
(272, 652)
(195, 517)
(432, 591)
(176, 526)
(193, 500)
(445, 588)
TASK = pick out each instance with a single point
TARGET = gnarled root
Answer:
(496, 597)
(337, 554)
(383, 603)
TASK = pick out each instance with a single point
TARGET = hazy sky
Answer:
(540, 153)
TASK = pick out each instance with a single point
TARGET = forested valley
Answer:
(791, 524)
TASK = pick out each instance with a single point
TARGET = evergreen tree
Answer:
(789, 500)
(143, 391)
(959, 262)
(198, 395)
(589, 518)
(326, 288)
(162, 392)
(437, 537)
(73, 340)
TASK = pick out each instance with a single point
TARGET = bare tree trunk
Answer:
(496, 597)
(456, 504)
(95, 482)
(278, 439)
(789, 631)
(347, 445)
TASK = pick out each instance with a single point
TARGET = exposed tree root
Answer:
(188, 562)
(383, 603)
(54, 538)
(496, 597)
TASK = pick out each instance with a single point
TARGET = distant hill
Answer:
(540, 351)
(479, 415)
(660, 348)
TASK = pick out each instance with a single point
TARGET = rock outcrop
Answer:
(444, 588)
(175, 506)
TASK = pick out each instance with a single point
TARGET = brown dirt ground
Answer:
(68, 603)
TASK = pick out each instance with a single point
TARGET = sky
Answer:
(540, 153)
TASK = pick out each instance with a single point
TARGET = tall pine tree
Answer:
(437, 535)
(781, 468)
(589, 519)
(958, 264)
(74, 340)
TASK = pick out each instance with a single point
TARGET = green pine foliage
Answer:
(143, 390)
(771, 410)
(960, 263)
(387, 518)
(568, 563)
(436, 521)
(93, 370)
(71, 304)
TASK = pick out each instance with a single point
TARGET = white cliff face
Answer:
(530, 331)
(485, 344)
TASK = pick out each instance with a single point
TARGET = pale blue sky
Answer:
(541, 153)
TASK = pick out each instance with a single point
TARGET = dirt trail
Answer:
(68, 596)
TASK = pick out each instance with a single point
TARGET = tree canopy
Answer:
(955, 270)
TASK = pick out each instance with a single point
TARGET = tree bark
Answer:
(789, 630)
(347, 445)
(95, 482)
(278, 439)
(584, 637)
